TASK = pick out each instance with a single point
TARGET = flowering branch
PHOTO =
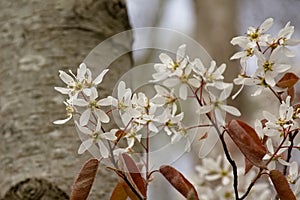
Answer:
(182, 79)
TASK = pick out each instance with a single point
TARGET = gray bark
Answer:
(37, 39)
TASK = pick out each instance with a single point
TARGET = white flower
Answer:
(255, 35)
(296, 188)
(243, 55)
(164, 97)
(70, 110)
(170, 120)
(92, 106)
(284, 39)
(264, 131)
(133, 134)
(244, 80)
(285, 119)
(168, 65)
(182, 77)
(123, 100)
(211, 76)
(293, 172)
(218, 105)
(270, 68)
(95, 136)
(216, 169)
(93, 84)
(75, 84)
(277, 156)
(81, 82)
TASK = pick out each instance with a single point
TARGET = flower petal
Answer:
(99, 78)
(103, 117)
(85, 145)
(103, 149)
(63, 121)
(85, 117)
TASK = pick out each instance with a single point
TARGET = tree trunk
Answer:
(37, 39)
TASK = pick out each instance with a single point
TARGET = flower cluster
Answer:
(276, 131)
(265, 148)
(215, 180)
(82, 101)
(136, 111)
(204, 82)
(140, 114)
(272, 54)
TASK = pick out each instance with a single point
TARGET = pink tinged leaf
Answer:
(133, 173)
(84, 181)
(281, 185)
(247, 140)
(179, 182)
(99, 78)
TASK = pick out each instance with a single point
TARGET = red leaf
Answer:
(245, 137)
(248, 165)
(179, 182)
(129, 191)
(84, 181)
(281, 185)
(288, 80)
(119, 193)
(133, 173)
(291, 92)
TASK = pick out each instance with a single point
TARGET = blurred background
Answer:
(213, 24)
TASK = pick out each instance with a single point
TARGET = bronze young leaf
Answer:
(133, 173)
(281, 185)
(84, 181)
(245, 137)
(179, 182)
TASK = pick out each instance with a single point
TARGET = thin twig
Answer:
(290, 148)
